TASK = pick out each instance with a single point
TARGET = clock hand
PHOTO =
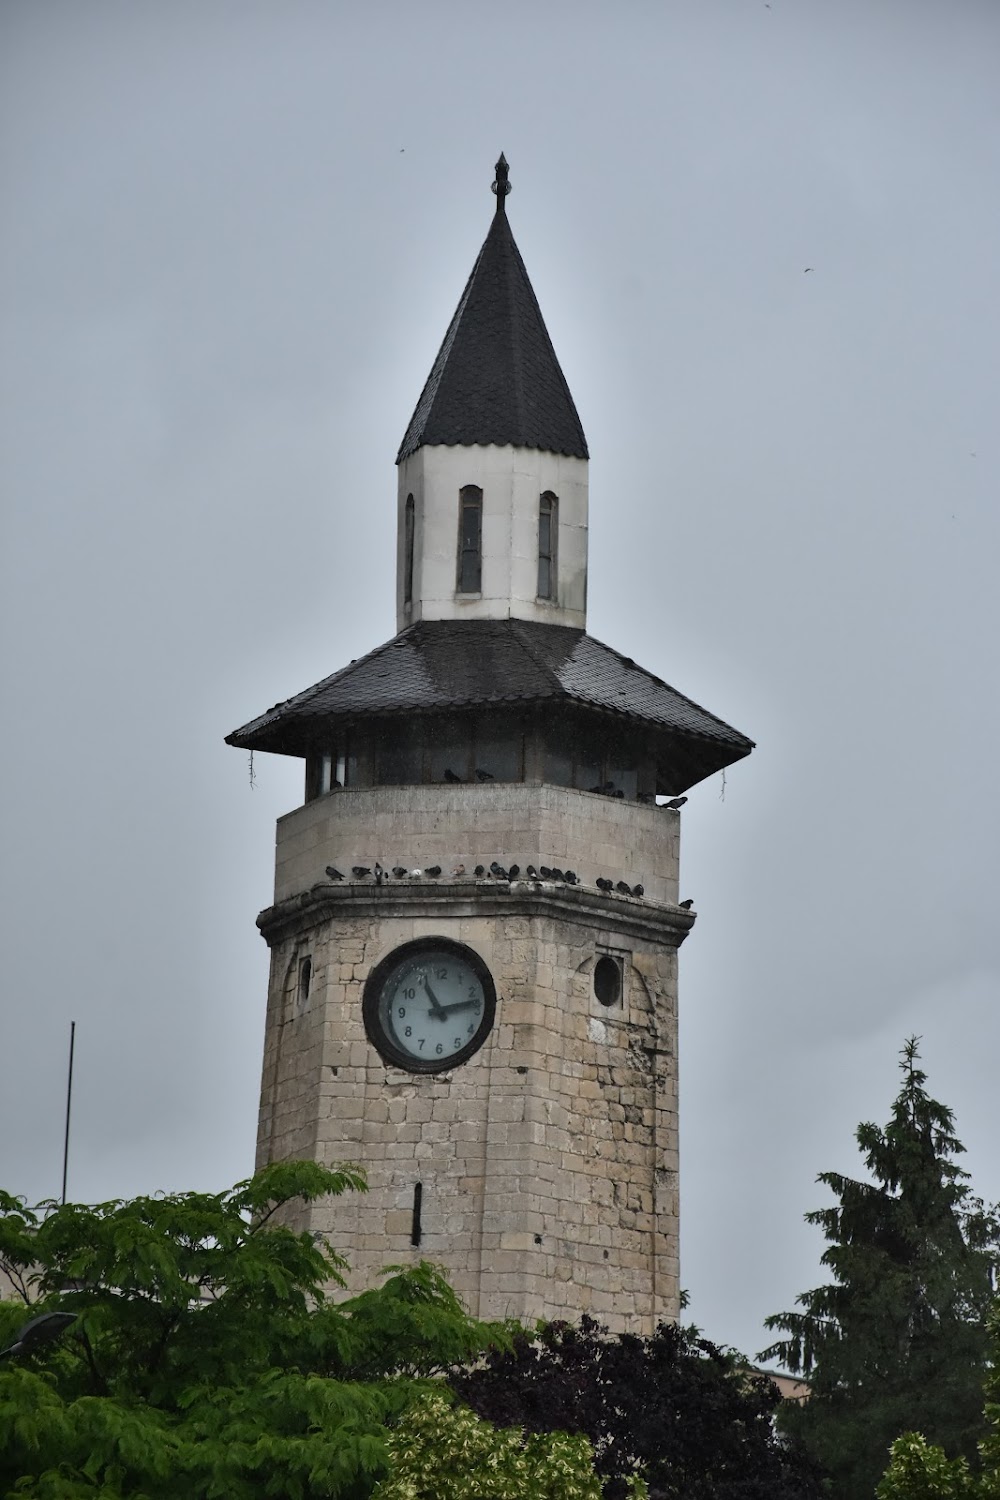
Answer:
(438, 1011)
(450, 1010)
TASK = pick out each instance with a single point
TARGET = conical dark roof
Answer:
(496, 378)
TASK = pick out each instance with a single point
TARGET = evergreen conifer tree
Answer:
(898, 1341)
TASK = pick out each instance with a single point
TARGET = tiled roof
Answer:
(447, 665)
(496, 378)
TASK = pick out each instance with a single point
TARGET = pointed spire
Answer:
(500, 184)
(496, 378)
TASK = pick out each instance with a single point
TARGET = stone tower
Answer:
(475, 925)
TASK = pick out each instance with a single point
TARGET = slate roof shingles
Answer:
(496, 378)
(440, 665)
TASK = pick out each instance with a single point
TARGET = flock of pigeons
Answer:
(496, 871)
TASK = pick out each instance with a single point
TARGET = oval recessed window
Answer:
(608, 980)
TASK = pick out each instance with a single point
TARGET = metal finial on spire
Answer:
(501, 186)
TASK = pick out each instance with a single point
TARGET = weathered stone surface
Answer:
(548, 1162)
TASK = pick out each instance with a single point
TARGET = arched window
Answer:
(470, 540)
(408, 551)
(548, 526)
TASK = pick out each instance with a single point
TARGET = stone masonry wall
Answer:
(548, 1161)
(511, 822)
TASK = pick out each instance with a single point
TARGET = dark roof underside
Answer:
(496, 378)
(446, 666)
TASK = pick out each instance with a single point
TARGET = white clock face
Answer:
(429, 1005)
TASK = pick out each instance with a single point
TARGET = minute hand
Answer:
(438, 1011)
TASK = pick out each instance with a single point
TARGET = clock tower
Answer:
(475, 926)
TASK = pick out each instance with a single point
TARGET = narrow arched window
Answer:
(548, 525)
(408, 551)
(470, 540)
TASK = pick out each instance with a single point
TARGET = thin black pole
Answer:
(69, 1100)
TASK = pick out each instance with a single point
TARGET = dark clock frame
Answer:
(375, 983)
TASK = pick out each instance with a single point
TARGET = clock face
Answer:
(429, 1005)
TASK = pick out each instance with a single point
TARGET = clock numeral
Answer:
(439, 1048)
(409, 994)
(472, 992)
(422, 1041)
(457, 1042)
(409, 1032)
(441, 973)
(401, 1012)
(471, 1028)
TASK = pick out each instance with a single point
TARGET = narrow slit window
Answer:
(305, 980)
(415, 1226)
(548, 517)
(408, 551)
(470, 540)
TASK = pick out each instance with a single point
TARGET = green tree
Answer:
(206, 1360)
(919, 1470)
(898, 1341)
(443, 1452)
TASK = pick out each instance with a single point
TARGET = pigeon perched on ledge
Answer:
(333, 874)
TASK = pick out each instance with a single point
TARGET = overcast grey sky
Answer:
(233, 235)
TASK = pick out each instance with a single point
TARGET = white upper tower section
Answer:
(492, 502)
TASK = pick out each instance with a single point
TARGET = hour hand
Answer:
(438, 1011)
(449, 1010)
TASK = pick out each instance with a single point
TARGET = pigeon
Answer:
(379, 873)
(360, 871)
(433, 871)
(531, 873)
(458, 870)
(333, 874)
(480, 871)
(514, 871)
(449, 775)
(484, 775)
(545, 872)
(571, 877)
(685, 905)
(675, 802)
(617, 792)
(623, 889)
(556, 874)
(638, 890)
(603, 884)
(416, 874)
(498, 871)
(399, 872)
